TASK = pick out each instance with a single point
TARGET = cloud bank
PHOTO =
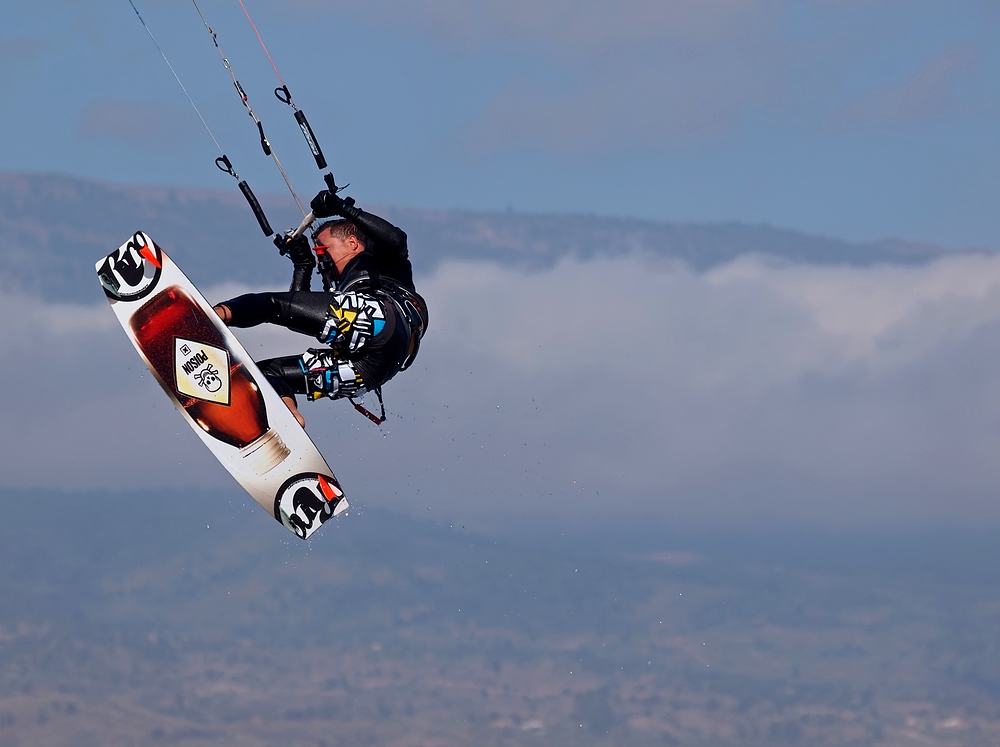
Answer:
(755, 393)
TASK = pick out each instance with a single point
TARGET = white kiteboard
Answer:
(218, 388)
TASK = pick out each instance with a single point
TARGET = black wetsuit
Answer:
(371, 318)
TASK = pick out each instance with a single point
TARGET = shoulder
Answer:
(360, 274)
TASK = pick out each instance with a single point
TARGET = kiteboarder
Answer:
(370, 318)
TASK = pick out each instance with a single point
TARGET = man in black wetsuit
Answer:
(369, 314)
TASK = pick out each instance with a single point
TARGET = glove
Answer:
(296, 249)
(328, 203)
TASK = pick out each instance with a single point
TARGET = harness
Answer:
(413, 308)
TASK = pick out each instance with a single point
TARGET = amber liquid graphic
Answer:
(243, 422)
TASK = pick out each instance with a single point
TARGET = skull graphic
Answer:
(208, 377)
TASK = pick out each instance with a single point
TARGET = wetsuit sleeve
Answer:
(388, 238)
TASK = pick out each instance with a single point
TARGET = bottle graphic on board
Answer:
(186, 350)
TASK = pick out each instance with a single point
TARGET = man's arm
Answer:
(383, 234)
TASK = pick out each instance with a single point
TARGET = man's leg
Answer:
(224, 313)
(302, 311)
(285, 377)
(315, 374)
(291, 404)
(326, 375)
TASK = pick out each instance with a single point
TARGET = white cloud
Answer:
(830, 318)
(752, 393)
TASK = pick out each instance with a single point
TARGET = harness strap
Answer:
(378, 420)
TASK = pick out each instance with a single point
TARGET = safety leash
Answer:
(378, 420)
(222, 162)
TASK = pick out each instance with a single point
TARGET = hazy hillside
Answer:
(53, 228)
(193, 619)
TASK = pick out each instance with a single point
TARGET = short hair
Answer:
(342, 228)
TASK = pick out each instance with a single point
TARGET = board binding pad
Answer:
(217, 387)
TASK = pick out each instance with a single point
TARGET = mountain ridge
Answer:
(51, 253)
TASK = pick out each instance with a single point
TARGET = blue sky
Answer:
(858, 118)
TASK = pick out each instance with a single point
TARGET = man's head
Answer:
(342, 241)
(341, 229)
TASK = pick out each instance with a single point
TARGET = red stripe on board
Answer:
(325, 487)
(151, 256)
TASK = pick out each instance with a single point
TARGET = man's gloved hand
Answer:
(295, 248)
(327, 204)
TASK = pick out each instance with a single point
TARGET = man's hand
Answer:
(295, 247)
(327, 204)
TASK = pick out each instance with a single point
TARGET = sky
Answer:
(858, 119)
(756, 393)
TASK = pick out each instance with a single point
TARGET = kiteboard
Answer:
(218, 388)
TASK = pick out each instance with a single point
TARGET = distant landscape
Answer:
(193, 619)
(164, 616)
(52, 228)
